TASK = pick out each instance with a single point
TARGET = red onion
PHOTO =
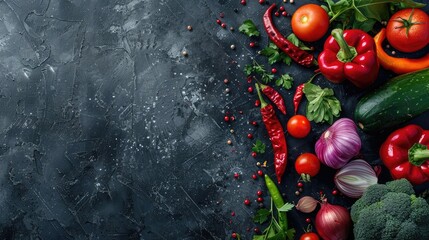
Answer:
(354, 178)
(338, 144)
(306, 204)
(333, 222)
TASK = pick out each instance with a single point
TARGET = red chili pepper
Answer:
(274, 96)
(299, 92)
(349, 55)
(276, 134)
(298, 55)
(405, 153)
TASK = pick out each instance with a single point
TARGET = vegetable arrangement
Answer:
(352, 52)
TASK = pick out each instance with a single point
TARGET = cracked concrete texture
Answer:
(108, 132)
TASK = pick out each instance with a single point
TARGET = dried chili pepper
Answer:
(274, 96)
(298, 97)
(299, 93)
(276, 134)
(298, 55)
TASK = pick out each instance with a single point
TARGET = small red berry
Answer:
(243, 2)
(250, 89)
(277, 14)
(249, 79)
(234, 235)
(257, 103)
(246, 202)
(218, 21)
(282, 8)
(260, 199)
(256, 230)
(254, 177)
(226, 81)
(274, 70)
(261, 1)
(260, 173)
(232, 118)
(284, 14)
(254, 123)
(254, 154)
(233, 214)
(223, 25)
(308, 220)
(259, 193)
(300, 184)
(226, 118)
(334, 192)
(236, 175)
(249, 136)
(252, 44)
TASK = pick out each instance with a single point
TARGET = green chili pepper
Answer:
(278, 201)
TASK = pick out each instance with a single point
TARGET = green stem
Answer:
(346, 53)
(418, 154)
(263, 102)
(314, 76)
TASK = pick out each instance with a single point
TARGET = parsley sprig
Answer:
(274, 231)
(258, 147)
(322, 105)
(275, 55)
(249, 28)
(284, 81)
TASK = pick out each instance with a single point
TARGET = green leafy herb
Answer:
(249, 28)
(261, 215)
(275, 55)
(294, 39)
(258, 147)
(287, 207)
(322, 105)
(260, 70)
(285, 81)
(273, 231)
(363, 14)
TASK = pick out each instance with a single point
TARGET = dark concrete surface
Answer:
(108, 132)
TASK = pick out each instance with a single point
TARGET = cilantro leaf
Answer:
(294, 39)
(275, 55)
(284, 81)
(261, 215)
(322, 105)
(258, 237)
(258, 147)
(249, 28)
(286, 208)
(266, 78)
(248, 69)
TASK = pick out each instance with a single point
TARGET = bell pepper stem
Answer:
(261, 99)
(418, 154)
(347, 53)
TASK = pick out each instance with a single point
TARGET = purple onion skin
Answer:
(333, 222)
(338, 144)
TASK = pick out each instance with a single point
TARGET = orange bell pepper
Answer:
(398, 65)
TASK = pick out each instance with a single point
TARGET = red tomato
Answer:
(309, 236)
(408, 30)
(298, 126)
(310, 22)
(307, 163)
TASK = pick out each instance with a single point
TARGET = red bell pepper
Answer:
(349, 55)
(405, 153)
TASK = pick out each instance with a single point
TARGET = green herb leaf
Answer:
(285, 81)
(258, 147)
(290, 233)
(286, 208)
(266, 78)
(275, 55)
(294, 39)
(261, 215)
(258, 237)
(249, 28)
(364, 13)
(248, 69)
(322, 105)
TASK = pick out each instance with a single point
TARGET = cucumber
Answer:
(397, 101)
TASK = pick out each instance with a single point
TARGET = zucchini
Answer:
(397, 101)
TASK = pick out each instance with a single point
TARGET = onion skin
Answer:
(333, 222)
(338, 144)
(306, 204)
(354, 178)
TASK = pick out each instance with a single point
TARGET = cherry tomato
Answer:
(408, 30)
(309, 236)
(307, 163)
(298, 126)
(310, 22)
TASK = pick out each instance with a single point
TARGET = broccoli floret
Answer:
(390, 212)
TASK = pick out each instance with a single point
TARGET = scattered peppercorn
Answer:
(227, 90)
(259, 199)
(185, 53)
(257, 103)
(252, 44)
(291, 1)
(218, 21)
(234, 235)
(249, 136)
(250, 89)
(243, 2)
(226, 81)
(256, 230)
(284, 14)
(189, 27)
(260, 173)
(232, 118)
(233, 213)
(308, 220)
(254, 123)
(231, 29)
(226, 118)
(277, 14)
(231, 130)
(261, 1)
(247, 202)
(254, 154)
(229, 142)
(223, 25)
(334, 192)
(282, 8)
(300, 184)
(297, 193)
(300, 189)
(259, 193)
(232, 46)
(236, 175)
(254, 177)
(273, 70)
(221, 15)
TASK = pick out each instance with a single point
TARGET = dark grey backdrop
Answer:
(108, 132)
